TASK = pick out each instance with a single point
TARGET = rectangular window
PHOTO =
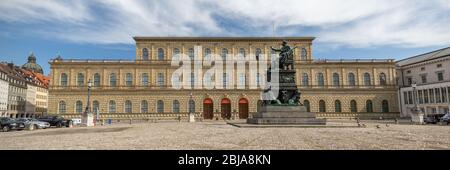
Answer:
(425, 96)
(440, 76)
(192, 80)
(438, 95)
(257, 79)
(225, 80)
(409, 81)
(420, 96)
(160, 79)
(439, 65)
(405, 97)
(422, 69)
(410, 97)
(424, 78)
(448, 93)
(242, 80)
(444, 94)
(408, 71)
(431, 91)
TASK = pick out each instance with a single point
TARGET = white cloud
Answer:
(355, 23)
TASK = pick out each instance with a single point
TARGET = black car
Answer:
(446, 118)
(7, 124)
(57, 121)
(433, 118)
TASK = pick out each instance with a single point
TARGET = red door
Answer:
(226, 108)
(243, 108)
(208, 109)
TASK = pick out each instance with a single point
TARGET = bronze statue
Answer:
(286, 56)
(288, 92)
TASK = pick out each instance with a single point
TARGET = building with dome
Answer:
(31, 65)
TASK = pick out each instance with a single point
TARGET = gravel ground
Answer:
(219, 135)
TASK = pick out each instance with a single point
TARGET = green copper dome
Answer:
(32, 65)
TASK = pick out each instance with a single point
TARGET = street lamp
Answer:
(416, 112)
(87, 116)
(191, 115)
(88, 107)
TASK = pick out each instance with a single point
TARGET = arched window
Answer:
(322, 107)
(128, 107)
(63, 81)
(224, 53)
(353, 107)
(304, 54)
(95, 106)
(160, 54)
(207, 54)
(175, 54)
(382, 79)
(112, 80)
(320, 81)
(145, 54)
(367, 79)
(335, 79)
(128, 79)
(144, 106)
(369, 106)
(337, 106)
(242, 52)
(351, 79)
(385, 106)
(62, 107)
(144, 79)
(80, 79)
(176, 106)
(112, 106)
(96, 80)
(306, 104)
(160, 106)
(78, 107)
(191, 106)
(191, 53)
(258, 53)
(305, 79)
(160, 79)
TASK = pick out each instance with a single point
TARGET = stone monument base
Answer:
(285, 115)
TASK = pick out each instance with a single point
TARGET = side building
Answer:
(25, 92)
(424, 81)
(4, 88)
(17, 90)
(142, 88)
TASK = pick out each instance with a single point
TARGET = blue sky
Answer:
(103, 29)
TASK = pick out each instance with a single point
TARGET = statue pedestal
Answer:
(417, 116)
(191, 117)
(88, 119)
(285, 114)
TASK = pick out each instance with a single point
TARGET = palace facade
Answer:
(141, 88)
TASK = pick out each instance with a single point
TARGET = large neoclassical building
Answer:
(141, 88)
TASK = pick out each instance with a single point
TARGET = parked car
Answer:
(7, 124)
(433, 118)
(446, 118)
(57, 121)
(32, 123)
